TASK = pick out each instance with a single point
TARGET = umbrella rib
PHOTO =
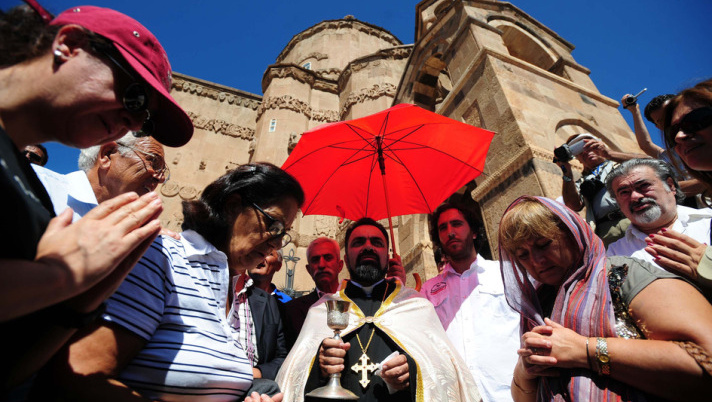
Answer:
(421, 146)
(422, 195)
(321, 149)
(370, 176)
(347, 161)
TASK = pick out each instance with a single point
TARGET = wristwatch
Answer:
(604, 361)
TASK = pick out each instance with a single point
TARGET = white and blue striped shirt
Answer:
(175, 299)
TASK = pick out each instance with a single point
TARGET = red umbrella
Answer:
(420, 156)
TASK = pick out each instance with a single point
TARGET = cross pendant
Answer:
(364, 367)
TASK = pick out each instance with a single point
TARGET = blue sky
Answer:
(661, 45)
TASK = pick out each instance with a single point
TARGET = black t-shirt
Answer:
(26, 211)
(26, 206)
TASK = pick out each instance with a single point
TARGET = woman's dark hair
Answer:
(260, 183)
(23, 35)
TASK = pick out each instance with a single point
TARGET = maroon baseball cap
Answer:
(147, 58)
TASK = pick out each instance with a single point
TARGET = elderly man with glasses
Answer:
(132, 163)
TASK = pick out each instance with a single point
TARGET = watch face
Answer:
(603, 359)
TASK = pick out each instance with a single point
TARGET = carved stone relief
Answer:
(375, 92)
(188, 192)
(170, 189)
(290, 103)
(293, 140)
(221, 127)
(212, 93)
(316, 79)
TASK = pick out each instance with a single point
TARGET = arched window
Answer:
(523, 45)
(433, 84)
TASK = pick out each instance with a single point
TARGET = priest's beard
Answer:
(367, 273)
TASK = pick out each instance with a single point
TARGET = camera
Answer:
(574, 147)
(589, 188)
(631, 100)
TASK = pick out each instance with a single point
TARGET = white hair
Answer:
(89, 156)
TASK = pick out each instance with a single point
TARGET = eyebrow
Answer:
(627, 186)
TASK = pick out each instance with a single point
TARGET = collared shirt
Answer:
(241, 319)
(175, 299)
(479, 322)
(68, 190)
(691, 222)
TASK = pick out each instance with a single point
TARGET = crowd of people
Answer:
(100, 303)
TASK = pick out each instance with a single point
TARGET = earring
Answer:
(57, 56)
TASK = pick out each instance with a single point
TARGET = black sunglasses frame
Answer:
(694, 121)
(271, 220)
(135, 97)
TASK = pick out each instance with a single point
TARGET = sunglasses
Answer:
(275, 227)
(135, 97)
(696, 120)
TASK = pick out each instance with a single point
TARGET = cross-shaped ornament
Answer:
(364, 368)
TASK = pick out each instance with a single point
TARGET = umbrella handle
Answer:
(388, 209)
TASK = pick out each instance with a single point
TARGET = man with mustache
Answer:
(648, 192)
(385, 317)
(129, 164)
(468, 296)
(324, 264)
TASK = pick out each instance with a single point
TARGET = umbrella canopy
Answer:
(420, 158)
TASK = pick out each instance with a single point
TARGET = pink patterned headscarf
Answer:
(583, 304)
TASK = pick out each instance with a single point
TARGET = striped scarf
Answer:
(583, 304)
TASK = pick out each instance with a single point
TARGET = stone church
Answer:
(482, 62)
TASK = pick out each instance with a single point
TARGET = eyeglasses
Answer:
(155, 162)
(275, 227)
(135, 97)
(694, 121)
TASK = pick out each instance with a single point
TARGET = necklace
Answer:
(364, 366)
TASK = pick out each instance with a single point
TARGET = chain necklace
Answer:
(364, 366)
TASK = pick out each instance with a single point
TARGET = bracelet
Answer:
(520, 387)
(567, 178)
(604, 360)
(588, 356)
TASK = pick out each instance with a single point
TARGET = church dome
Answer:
(332, 44)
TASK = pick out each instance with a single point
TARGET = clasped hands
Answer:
(331, 360)
(98, 250)
(548, 347)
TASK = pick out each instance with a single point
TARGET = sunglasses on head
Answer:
(694, 121)
(135, 97)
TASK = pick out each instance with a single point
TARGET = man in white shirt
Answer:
(129, 164)
(468, 296)
(647, 192)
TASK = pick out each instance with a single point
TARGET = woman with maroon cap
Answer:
(84, 78)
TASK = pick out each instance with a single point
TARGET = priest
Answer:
(385, 318)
